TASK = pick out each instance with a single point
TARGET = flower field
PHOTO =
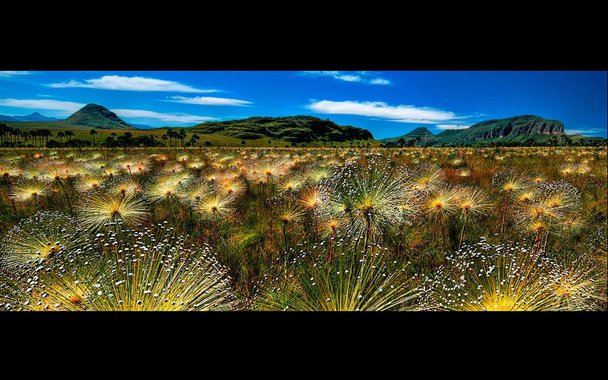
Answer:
(304, 229)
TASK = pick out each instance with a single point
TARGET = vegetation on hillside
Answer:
(295, 129)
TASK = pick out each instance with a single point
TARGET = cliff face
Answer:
(514, 126)
(546, 127)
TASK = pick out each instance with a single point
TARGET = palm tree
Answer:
(61, 135)
(182, 136)
(93, 132)
(46, 134)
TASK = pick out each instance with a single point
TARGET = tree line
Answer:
(554, 140)
(15, 137)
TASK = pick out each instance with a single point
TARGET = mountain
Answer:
(517, 129)
(293, 129)
(96, 116)
(31, 117)
(35, 116)
(510, 129)
(421, 132)
(141, 126)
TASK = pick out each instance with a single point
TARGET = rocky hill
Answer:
(519, 129)
(512, 128)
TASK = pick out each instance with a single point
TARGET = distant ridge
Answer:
(421, 132)
(35, 116)
(518, 129)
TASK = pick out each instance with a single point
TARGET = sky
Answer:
(387, 103)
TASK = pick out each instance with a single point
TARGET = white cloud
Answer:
(349, 78)
(6, 74)
(120, 83)
(452, 126)
(168, 117)
(380, 81)
(587, 132)
(43, 104)
(400, 113)
(365, 77)
(209, 101)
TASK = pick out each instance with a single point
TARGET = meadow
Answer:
(304, 229)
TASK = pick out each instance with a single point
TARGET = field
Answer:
(303, 229)
(215, 139)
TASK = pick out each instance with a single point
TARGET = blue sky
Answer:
(388, 103)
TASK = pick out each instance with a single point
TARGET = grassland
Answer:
(303, 229)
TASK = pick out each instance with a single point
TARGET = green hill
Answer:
(294, 129)
(96, 116)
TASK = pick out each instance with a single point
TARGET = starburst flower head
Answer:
(472, 200)
(98, 210)
(90, 182)
(310, 199)
(127, 186)
(318, 174)
(485, 277)
(442, 203)
(290, 184)
(45, 234)
(538, 178)
(168, 187)
(232, 186)
(365, 197)
(273, 169)
(510, 181)
(350, 283)
(427, 178)
(195, 192)
(29, 189)
(567, 169)
(331, 225)
(137, 271)
(217, 204)
(9, 171)
(582, 168)
(526, 196)
(576, 283)
(288, 213)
